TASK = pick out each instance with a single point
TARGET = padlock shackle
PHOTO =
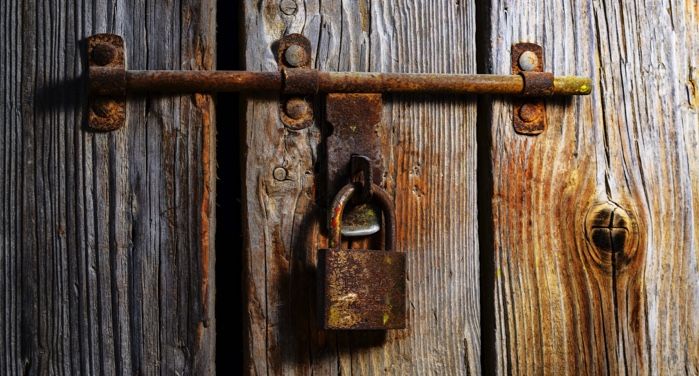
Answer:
(380, 196)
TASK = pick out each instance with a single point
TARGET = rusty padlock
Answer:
(359, 288)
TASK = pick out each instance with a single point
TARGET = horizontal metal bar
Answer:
(102, 82)
(164, 81)
(344, 82)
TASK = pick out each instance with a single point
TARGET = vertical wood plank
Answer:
(430, 146)
(106, 238)
(594, 221)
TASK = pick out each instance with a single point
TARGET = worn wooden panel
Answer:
(429, 143)
(106, 254)
(576, 291)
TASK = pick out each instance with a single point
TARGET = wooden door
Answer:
(570, 252)
(594, 223)
(430, 149)
(106, 252)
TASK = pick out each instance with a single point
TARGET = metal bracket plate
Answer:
(294, 51)
(352, 126)
(107, 113)
(529, 114)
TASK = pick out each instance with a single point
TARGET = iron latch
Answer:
(353, 105)
(110, 82)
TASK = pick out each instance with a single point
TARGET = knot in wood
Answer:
(610, 228)
(288, 7)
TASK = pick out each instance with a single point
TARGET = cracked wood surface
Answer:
(106, 239)
(576, 290)
(429, 144)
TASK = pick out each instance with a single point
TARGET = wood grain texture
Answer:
(567, 302)
(106, 241)
(429, 144)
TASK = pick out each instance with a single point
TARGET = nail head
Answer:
(528, 61)
(103, 54)
(529, 113)
(295, 55)
(279, 173)
(288, 7)
(296, 108)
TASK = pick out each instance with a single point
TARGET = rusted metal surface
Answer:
(296, 106)
(572, 85)
(297, 76)
(300, 81)
(352, 129)
(529, 112)
(362, 289)
(361, 174)
(296, 112)
(109, 79)
(106, 62)
(310, 81)
(163, 81)
(300, 55)
(537, 84)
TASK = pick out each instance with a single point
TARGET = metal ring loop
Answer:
(338, 206)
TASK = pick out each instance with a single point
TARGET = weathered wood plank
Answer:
(570, 298)
(430, 147)
(106, 238)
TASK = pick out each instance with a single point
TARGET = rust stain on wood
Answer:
(203, 102)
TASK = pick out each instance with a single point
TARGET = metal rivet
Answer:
(104, 107)
(528, 61)
(296, 108)
(295, 55)
(288, 7)
(103, 54)
(279, 173)
(529, 113)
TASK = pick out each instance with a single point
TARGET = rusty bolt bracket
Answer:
(294, 56)
(107, 65)
(352, 128)
(529, 112)
(296, 81)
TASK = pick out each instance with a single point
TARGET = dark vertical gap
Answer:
(485, 194)
(229, 236)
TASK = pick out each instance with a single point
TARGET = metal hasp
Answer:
(352, 137)
(109, 78)
(529, 112)
(107, 61)
(360, 289)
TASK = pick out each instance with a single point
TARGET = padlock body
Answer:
(361, 289)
